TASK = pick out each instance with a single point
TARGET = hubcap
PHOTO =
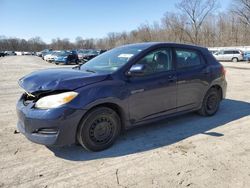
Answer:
(101, 130)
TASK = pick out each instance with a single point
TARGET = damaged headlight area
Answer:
(56, 100)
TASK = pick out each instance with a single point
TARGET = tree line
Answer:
(195, 22)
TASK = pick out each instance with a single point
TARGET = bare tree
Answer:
(242, 9)
(196, 21)
(195, 11)
(79, 42)
(144, 33)
(174, 25)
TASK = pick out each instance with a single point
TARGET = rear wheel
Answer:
(235, 60)
(210, 103)
(99, 129)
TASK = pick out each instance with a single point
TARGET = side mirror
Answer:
(136, 70)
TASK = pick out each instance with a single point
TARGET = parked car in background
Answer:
(246, 56)
(66, 57)
(19, 53)
(44, 53)
(81, 53)
(50, 57)
(213, 51)
(27, 53)
(229, 55)
(2, 54)
(10, 53)
(91, 104)
(41, 53)
(91, 54)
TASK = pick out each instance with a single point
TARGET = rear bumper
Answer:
(56, 126)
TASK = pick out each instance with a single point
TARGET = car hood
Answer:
(58, 79)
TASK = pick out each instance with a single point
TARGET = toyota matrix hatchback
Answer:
(121, 88)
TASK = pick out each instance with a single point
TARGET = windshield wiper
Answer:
(87, 70)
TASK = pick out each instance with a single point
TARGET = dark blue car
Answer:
(66, 57)
(124, 87)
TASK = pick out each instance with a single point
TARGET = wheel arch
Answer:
(219, 89)
(118, 109)
(112, 105)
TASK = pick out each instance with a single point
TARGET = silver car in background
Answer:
(229, 55)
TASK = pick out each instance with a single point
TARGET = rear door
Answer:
(192, 78)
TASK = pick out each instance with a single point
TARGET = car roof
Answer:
(171, 44)
(231, 50)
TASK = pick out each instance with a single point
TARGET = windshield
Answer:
(56, 53)
(83, 51)
(112, 60)
(92, 52)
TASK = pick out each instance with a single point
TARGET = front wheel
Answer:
(99, 129)
(210, 103)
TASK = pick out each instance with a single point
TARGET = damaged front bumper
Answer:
(57, 126)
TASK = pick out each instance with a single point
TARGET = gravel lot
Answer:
(188, 151)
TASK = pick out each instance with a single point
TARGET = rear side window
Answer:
(188, 58)
(228, 52)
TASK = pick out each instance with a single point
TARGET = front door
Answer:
(154, 93)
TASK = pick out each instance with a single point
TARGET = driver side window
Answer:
(157, 61)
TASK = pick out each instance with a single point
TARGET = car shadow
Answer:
(163, 133)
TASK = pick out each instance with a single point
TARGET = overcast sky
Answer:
(86, 18)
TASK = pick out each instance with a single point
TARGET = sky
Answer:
(50, 19)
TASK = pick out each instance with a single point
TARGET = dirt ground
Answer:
(187, 151)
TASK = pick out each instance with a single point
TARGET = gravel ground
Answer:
(187, 151)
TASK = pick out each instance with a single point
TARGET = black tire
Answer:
(211, 103)
(235, 60)
(99, 129)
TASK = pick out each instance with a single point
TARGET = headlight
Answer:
(65, 57)
(53, 101)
